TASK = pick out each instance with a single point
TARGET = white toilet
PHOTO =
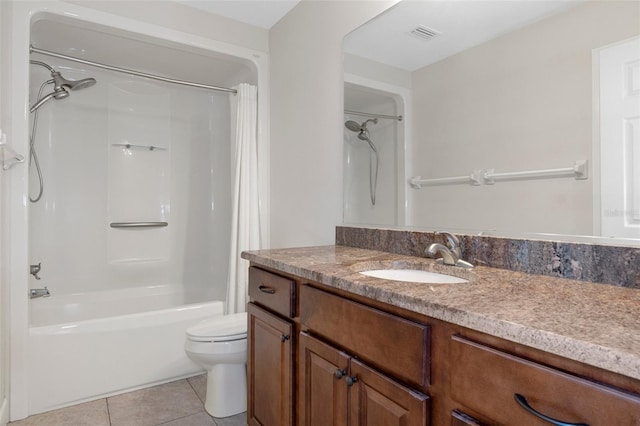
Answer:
(219, 344)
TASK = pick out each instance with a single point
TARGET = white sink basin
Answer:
(414, 276)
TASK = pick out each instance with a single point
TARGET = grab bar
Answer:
(578, 171)
(138, 224)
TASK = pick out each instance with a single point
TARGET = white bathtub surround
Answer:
(245, 219)
(91, 180)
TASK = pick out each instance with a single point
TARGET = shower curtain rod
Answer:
(33, 49)
(366, 114)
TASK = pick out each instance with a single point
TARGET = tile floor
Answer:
(178, 403)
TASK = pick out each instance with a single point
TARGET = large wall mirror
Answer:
(507, 118)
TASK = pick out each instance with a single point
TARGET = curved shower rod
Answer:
(33, 49)
(367, 114)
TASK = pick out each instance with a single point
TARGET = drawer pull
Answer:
(351, 380)
(340, 373)
(524, 404)
(284, 337)
(267, 289)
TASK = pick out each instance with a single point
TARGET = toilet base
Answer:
(226, 390)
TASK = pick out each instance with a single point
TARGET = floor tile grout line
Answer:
(106, 400)
(194, 389)
(183, 417)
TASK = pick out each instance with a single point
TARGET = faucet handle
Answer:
(35, 269)
(452, 241)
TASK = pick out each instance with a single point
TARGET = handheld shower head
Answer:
(60, 93)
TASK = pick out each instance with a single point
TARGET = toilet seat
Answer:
(221, 328)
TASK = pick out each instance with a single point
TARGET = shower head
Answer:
(356, 127)
(353, 126)
(60, 82)
(61, 85)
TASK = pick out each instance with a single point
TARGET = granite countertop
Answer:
(596, 324)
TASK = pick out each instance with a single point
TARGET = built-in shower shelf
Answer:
(138, 224)
(138, 147)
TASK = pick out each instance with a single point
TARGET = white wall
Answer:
(89, 183)
(306, 118)
(520, 102)
(182, 18)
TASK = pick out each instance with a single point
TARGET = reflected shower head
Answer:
(353, 126)
(356, 127)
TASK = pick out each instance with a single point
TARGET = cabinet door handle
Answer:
(340, 373)
(351, 380)
(267, 289)
(525, 404)
(284, 337)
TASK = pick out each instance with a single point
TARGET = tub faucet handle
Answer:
(35, 269)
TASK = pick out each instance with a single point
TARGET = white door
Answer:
(620, 139)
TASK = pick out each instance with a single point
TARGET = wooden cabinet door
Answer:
(269, 369)
(377, 400)
(322, 385)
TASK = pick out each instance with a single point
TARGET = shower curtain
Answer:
(245, 219)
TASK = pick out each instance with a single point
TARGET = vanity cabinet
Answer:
(338, 384)
(270, 349)
(507, 389)
(321, 356)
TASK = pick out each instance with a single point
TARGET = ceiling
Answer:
(460, 25)
(388, 38)
(259, 13)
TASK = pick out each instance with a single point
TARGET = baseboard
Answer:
(4, 412)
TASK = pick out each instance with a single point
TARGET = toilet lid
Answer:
(219, 328)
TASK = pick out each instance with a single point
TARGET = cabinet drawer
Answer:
(387, 342)
(486, 381)
(272, 291)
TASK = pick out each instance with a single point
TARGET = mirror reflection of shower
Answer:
(61, 88)
(374, 160)
(374, 129)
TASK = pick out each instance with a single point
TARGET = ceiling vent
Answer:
(425, 33)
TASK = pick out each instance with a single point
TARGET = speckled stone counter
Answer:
(591, 323)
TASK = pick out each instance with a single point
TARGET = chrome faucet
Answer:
(450, 255)
(39, 292)
(452, 242)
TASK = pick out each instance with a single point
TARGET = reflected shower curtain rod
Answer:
(33, 49)
(366, 114)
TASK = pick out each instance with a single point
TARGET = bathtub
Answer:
(87, 346)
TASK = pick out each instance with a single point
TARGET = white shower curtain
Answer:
(245, 219)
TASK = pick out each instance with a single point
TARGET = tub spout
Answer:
(39, 292)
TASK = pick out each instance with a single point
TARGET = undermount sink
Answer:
(414, 276)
